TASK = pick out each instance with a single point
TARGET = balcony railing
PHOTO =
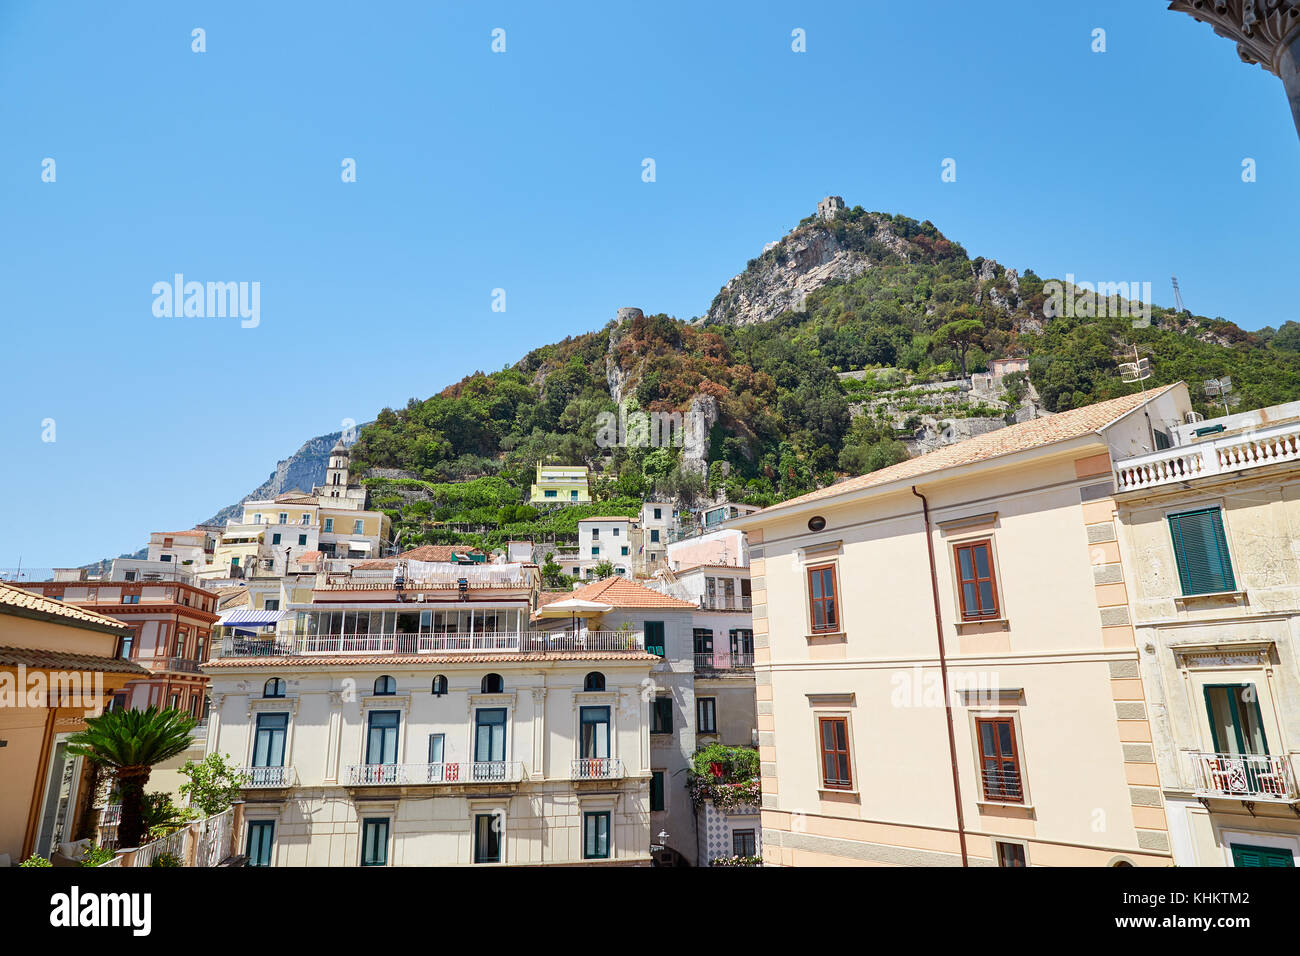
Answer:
(409, 774)
(736, 602)
(268, 778)
(527, 642)
(596, 768)
(1220, 456)
(1243, 776)
(184, 665)
(724, 660)
(1002, 786)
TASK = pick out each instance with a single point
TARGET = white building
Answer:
(413, 718)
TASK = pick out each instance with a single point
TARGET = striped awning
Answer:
(246, 617)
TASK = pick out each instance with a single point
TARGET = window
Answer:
(305, 519)
(624, 551)
(654, 534)
(487, 838)
(437, 747)
(439, 685)
(271, 604)
(284, 517)
(836, 771)
(595, 533)
(661, 715)
(194, 707)
(261, 834)
(573, 495)
(1204, 565)
(595, 551)
(357, 525)
(702, 637)
(975, 582)
(658, 514)
(165, 557)
(548, 494)
(1235, 722)
(492, 684)
(275, 538)
(742, 643)
(374, 841)
(822, 599)
(1243, 854)
(615, 532)
(490, 737)
(595, 681)
(385, 686)
(654, 637)
(1011, 854)
(174, 703)
(999, 760)
(594, 740)
(274, 687)
(381, 738)
(744, 843)
(257, 519)
(595, 836)
(128, 642)
(130, 576)
(268, 743)
(656, 789)
(706, 709)
(130, 599)
(329, 525)
(302, 539)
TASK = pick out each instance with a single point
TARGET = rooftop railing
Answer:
(526, 642)
(1217, 456)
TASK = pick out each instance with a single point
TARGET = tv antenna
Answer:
(1221, 389)
(1138, 370)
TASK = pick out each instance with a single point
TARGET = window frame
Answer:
(661, 646)
(1224, 547)
(712, 710)
(366, 824)
(261, 827)
(661, 715)
(823, 753)
(658, 781)
(748, 833)
(479, 856)
(836, 606)
(967, 615)
(1017, 752)
(588, 817)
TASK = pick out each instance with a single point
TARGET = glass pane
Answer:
(1004, 736)
(969, 601)
(816, 578)
(986, 597)
(963, 561)
(981, 561)
(1223, 720)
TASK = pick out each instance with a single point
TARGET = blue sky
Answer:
(522, 171)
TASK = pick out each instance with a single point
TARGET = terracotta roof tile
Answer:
(622, 593)
(22, 601)
(39, 657)
(1025, 436)
(425, 552)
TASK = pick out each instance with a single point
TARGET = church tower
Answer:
(336, 474)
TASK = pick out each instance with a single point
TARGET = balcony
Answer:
(527, 642)
(724, 661)
(269, 778)
(596, 768)
(419, 774)
(733, 602)
(1203, 459)
(178, 665)
(1249, 777)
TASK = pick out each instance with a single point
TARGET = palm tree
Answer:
(130, 743)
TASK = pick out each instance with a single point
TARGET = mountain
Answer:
(835, 351)
(304, 469)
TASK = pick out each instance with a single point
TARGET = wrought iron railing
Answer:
(268, 777)
(1243, 776)
(412, 774)
(1003, 786)
(724, 660)
(596, 768)
(527, 642)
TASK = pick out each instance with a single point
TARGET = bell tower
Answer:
(336, 474)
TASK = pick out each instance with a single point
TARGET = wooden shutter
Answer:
(1201, 549)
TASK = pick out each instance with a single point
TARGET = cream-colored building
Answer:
(412, 716)
(561, 485)
(1211, 530)
(945, 662)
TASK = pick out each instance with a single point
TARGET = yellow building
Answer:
(1211, 528)
(945, 665)
(561, 485)
(58, 664)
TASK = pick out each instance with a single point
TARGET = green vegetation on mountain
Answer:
(921, 312)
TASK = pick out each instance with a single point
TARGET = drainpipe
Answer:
(943, 672)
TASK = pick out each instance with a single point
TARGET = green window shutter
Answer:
(654, 637)
(1201, 549)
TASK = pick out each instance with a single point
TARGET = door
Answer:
(490, 743)
(268, 749)
(1241, 763)
(381, 746)
(594, 743)
(1246, 855)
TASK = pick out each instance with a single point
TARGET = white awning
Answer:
(358, 545)
(247, 617)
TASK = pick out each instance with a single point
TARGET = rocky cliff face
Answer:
(303, 469)
(784, 274)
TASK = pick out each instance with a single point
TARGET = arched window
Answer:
(439, 686)
(274, 687)
(385, 686)
(595, 681)
(493, 684)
